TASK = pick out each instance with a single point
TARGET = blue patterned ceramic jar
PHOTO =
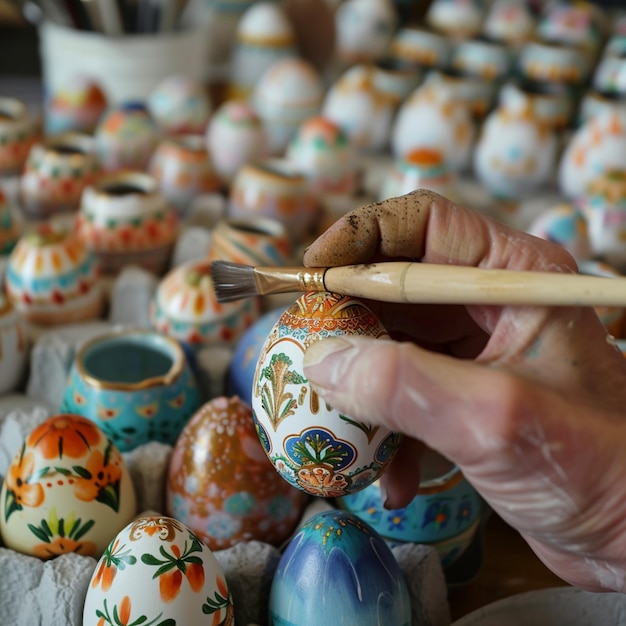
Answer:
(445, 513)
(136, 385)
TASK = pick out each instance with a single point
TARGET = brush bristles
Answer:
(233, 281)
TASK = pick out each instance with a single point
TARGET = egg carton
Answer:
(52, 593)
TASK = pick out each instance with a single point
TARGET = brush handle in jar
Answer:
(453, 284)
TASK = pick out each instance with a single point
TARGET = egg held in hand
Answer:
(312, 445)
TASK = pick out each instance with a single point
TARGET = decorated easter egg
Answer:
(338, 570)
(66, 490)
(221, 484)
(312, 445)
(157, 571)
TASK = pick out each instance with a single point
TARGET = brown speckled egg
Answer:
(222, 485)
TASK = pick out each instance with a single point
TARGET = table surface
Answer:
(509, 567)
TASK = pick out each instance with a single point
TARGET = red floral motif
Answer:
(17, 482)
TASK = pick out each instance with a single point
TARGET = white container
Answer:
(127, 67)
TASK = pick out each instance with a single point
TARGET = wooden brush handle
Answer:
(453, 284)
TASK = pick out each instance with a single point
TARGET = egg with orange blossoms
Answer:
(66, 490)
(221, 484)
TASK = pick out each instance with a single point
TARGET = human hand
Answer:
(528, 401)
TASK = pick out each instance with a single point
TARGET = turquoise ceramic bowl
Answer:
(136, 385)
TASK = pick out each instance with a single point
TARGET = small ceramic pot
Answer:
(364, 29)
(554, 62)
(609, 76)
(264, 35)
(56, 173)
(422, 168)
(180, 106)
(363, 112)
(186, 309)
(446, 507)
(126, 137)
(288, 93)
(9, 230)
(274, 188)
(483, 58)
(52, 278)
(595, 103)
(421, 47)
(136, 385)
(17, 135)
(322, 151)
(509, 21)
(125, 220)
(76, 107)
(258, 241)
(183, 170)
(235, 136)
(457, 19)
(13, 347)
(396, 79)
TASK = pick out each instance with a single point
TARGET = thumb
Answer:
(457, 407)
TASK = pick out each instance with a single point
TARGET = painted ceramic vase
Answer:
(9, 228)
(136, 385)
(56, 172)
(126, 137)
(432, 117)
(322, 151)
(274, 188)
(186, 309)
(258, 241)
(157, 572)
(457, 19)
(598, 146)
(17, 135)
(337, 569)
(421, 47)
(363, 112)
(264, 35)
(76, 107)
(288, 93)
(313, 446)
(604, 206)
(183, 170)
(363, 30)
(67, 490)
(509, 21)
(221, 484)
(52, 277)
(235, 136)
(180, 106)
(13, 346)
(125, 220)
(422, 168)
(516, 153)
(446, 507)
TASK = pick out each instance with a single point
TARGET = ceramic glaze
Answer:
(338, 570)
(17, 135)
(185, 308)
(52, 277)
(56, 173)
(14, 347)
(135, 385)
(125, 220)
(67, 490)
(221, 484)
(313, 446)
(156, 571)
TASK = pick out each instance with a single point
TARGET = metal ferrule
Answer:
(288, 279)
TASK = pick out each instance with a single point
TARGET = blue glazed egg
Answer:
(338, 570)
(246, 355)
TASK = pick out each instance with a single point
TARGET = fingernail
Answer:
(320, 354)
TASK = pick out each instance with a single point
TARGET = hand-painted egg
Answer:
(66, 490)
(221, 484)
(312, 445)
(338, 570)
(156, 571)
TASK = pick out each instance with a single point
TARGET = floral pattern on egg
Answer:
(312, 445)
(67, 490)
(221, 484)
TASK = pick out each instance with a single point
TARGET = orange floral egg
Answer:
(66, 490)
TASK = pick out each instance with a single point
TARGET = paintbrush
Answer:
(421, 283)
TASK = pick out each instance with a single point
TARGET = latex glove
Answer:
(528, 401)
